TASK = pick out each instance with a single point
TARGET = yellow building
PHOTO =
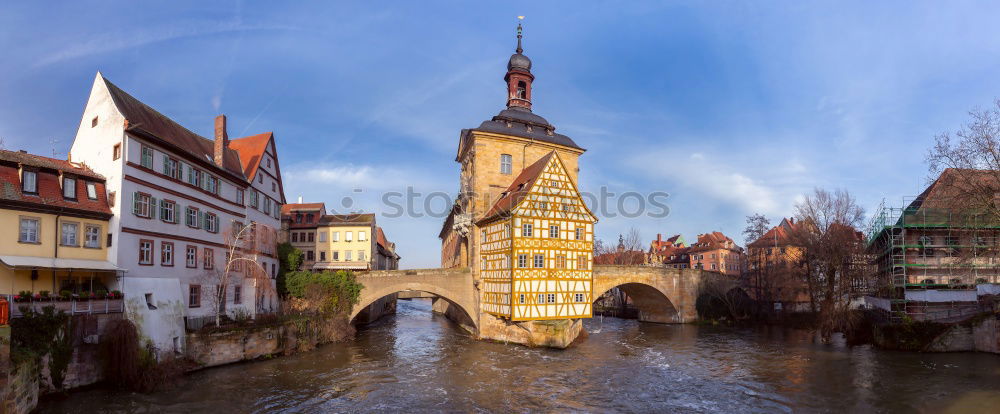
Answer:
(57, 216)
(537, 247)
(345, 241)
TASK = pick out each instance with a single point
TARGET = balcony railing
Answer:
(71, 307)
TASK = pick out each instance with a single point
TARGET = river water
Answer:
(415, 361)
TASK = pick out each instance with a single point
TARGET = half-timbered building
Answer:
(537, 247)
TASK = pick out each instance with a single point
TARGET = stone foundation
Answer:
(245, 344)
(981, 335)
(557, 333)
(453, 313)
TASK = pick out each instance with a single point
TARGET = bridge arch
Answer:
(454, 287)
(660, 295)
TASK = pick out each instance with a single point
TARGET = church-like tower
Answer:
(493, 154)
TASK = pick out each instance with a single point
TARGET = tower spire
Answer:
(519, 50)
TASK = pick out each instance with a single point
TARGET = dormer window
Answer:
(69, 188)
(92, 191)
(29, 182)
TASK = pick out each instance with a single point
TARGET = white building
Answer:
(177, 198)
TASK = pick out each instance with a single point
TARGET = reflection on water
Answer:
(417, 361)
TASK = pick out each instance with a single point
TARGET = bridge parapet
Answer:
(661, 294)
(461, 271)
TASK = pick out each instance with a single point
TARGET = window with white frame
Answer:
(581, 262)
(347, 255)
(92, 237)
(209, 259)
(191, 217)
(361, 255)
(347, 236)
(170, 167)
(28, 230)
(211, 223)
(92, 191)
(579, 233)
(69, 188)
(191, 256)
(336, 255)
(166, 254)
(506, 164)
(335, 236)
(168, 211)
(522, 260)
(146, 158)
(29, 182)
(361, 236)
(239, 196)
(322, 235)
(145, 252)
(140, 204)
(70, 234)
(253, 198)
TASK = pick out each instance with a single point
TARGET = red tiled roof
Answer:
(251, 150)
(143, 118)
(713, 241)
(287, 209)
(779, 235)
(50, 163)
(380, 238)
(340, 219)
(518, 188)
(50, 195)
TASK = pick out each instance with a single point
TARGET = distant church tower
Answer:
(492, 155)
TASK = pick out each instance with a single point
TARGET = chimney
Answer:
(221, 140)
(659, 237)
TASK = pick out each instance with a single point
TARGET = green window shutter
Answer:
(201, 220)
(166, 160)
(152, 208)
(135, 203)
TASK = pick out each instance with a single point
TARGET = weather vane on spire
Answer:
(519, 18)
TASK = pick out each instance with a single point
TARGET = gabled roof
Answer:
(779, 235)
(518, 188)
(49, 196)
(713, 241)
(287, 209)
(39, 161)
(957, 189)
(143, 118)
(251, 150)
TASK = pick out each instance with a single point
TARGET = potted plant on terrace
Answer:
(65, 295)
(45, 295)
(83, 296)
(101, 294)
(115, 294)
(22, 296)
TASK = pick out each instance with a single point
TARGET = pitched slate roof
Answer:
(50, 195)
(518, 188)
(521, 122)
(143, 118)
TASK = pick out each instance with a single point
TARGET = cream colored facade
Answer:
(14, 279)
(344, 247)
(537, 261)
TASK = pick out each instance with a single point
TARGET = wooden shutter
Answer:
(152, 208)
(135, 203)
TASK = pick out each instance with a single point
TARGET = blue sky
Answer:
(730, 107)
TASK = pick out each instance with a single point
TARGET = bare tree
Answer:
(831, 245)
(245, 245)
(757, 225)
(627, 252)
(974, 154)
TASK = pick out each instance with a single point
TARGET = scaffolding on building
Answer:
(917, 248)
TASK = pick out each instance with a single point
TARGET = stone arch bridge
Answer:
(661, 295)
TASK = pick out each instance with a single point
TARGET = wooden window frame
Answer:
(196, 217)
(188, 249)
(150, 251)
(38, 229)
(527, 230)
(554, 229)
(208, 258)
(163, 252)
(86, 228)
(149, 205)
(65, 187)
(34, 174)
(142, 156)
(194, 296)
(116, 151)
(62, 233)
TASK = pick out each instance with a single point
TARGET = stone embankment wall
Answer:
(19, 385)
(982, 335)
(249, 343)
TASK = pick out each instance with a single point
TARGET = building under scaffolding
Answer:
(933, 258)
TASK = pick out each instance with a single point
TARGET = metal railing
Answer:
(71, 307)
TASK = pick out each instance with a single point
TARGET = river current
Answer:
(418, 362)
